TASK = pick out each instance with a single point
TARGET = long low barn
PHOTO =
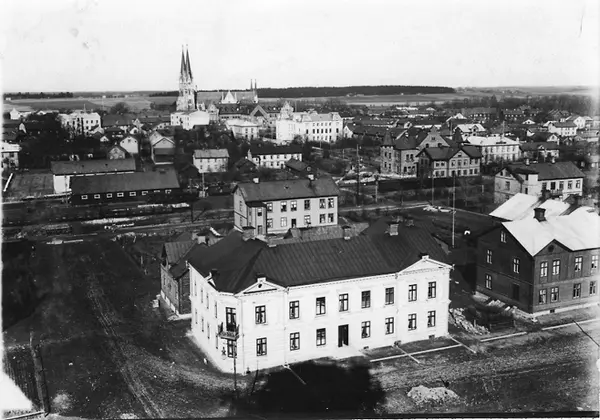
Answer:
(122, 187)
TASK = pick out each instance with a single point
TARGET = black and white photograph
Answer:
(282, 209)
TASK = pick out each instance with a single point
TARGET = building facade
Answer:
(495, 148)
(273, 156)
(250, 310)
(541, 265)
(131, 145)
(211, 160)
(309, 126)
(63, 172)
(81, 122)
(399, 155)
(560, 179)
(10, 155)
(445, 162)
(273, 207)
(243, 129)
(186, 101)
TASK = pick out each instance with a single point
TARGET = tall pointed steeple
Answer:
(182, 71)
(189, 67)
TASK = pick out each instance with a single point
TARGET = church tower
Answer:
(186, 101)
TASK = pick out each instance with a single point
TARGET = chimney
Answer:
(247, 233)
(527, 161)
(393, 230)
(346, 230)
(255, 180)
(260, 278)
(540, 214)
(214, 273)
(423, 255)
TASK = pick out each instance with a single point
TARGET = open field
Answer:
(136, 103)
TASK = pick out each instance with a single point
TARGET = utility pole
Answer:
(357, 175)
(453, 206)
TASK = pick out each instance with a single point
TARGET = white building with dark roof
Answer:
(211, 160)
(309, 126)
(495, 148)
(273, 207)
(243, 129)
(257, 305)
(273, 156)
(63, 172)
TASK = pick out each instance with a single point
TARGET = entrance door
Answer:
(342, 335)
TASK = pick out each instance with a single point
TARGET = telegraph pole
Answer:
(453, 206)
(357, 175)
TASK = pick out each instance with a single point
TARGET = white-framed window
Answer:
(144, 192)
(96, 196)
(488, 281)
(322, 218)
(321, 337)
(84, 197)
(502, 236)
(555, 267)
(108, 195)
(412, 321)
(544, 269)
(578, 263)
(283, 221)
(283, 206)
(294, 341)
(430, 319)
(261, 346)
(343, 298)
(488, 256)
(516, 265)
(260, 314)
(307, 220)
(132, 194)
(576, 290)
(293, 205)
(594, 264)
(431, 290)
(365, 329)
(593, 287)
(120, 195)
(269, 223)
(412, 292)
(389, 325)
(542, 296)
(389, 296)
(321, 306)
(167, 191)
(295, 309)
(365, 299)
(269, 207)
(554, 296)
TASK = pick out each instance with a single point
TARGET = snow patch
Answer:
(422, 395)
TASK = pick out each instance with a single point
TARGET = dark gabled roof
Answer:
(564, 125)
(547, 171)
(372, 253)
(297, 165)
(439, 153)
(117, 120)
(288, 189)
(136, 181)
(548, 145)
(92, 166)
(406, 143)
(268, 149)
(472, 151)
(175, 250)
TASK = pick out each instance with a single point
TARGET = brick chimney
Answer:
(346, 230)
(540, 214)
(393, 230)
(247, 233)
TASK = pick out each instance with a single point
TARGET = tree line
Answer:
(40, 95)
(312, 91)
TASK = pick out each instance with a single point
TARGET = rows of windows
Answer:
(321, 333)
(561, 185)
(544, 264)
(555, 294)
(120, 194)
(343, 302)
(328, 203)
(323, 218)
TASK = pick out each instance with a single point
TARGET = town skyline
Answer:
(273, 43)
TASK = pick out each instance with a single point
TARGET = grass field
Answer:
(136, 103)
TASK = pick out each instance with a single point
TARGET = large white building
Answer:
(81, 122)
(211, 160)
(273, 207)
(257, 305)
(243, 129)
(495, 148)
(273, 156)
(188, 119)
(559, 179)
(309, 126)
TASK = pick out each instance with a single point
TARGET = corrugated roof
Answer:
(175, 250)
(288, 189)
(211, 153)
(92, 166)
(548, 171)
(577, 232)
(136, 181)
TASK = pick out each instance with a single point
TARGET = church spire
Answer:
(182, 72)
(189, 67)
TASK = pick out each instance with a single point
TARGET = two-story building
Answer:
(540, 151)
(162, 148)
(63, 172)
(541, 264)
(495, 148)
(561, 179)
(211, 160)
(273, 207)
(269, 156)
(444, 162)
(131, 144)
(310, 126)
(188, 119)
(243, 129)
(257, 306)
(399, 155)
(563, 129)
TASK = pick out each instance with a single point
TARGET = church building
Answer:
(186, 101)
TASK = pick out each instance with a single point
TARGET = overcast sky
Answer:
(87, 45)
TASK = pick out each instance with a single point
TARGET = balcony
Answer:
(229, 331)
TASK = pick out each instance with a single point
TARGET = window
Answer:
(365, 329)
(389, 296)
(488, 256)
(109, 195)
(594, 262)
(293, 205)
(412, 292)
(295, 341)
(576, 290)
(120, 194)
(554, 294)
(321, 336)
(330, 203)
(542, 297)
(330, 218)
(307, 220)
(202, 324)
(306, 204)
(321, 203)
(269, 223)
(132, 194)
(261, 346)
(544, 186)
(269, 207)
(259, 212)
(231, 348)
(578, 263)
(488, 281)
(261, 314)
(365, 299)
(216, 310)
(283, 206)
(84, 197)
(322, 218)
(553, 185)
(295, 309)
(431, 290)
(570, 185)
(343, 302)
(577, 184)
(144, 192)
(561, 185)
(544, 269)
(555, 267)
(516, 265)
(507, 185)
(321, 309)
(592, 287)
(96, 196)
(503, 236)
(412, 322)
(389, 325)
(283, 221)
(431, 319)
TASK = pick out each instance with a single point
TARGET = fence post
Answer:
(40, 378)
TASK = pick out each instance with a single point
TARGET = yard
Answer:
(30, 185)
